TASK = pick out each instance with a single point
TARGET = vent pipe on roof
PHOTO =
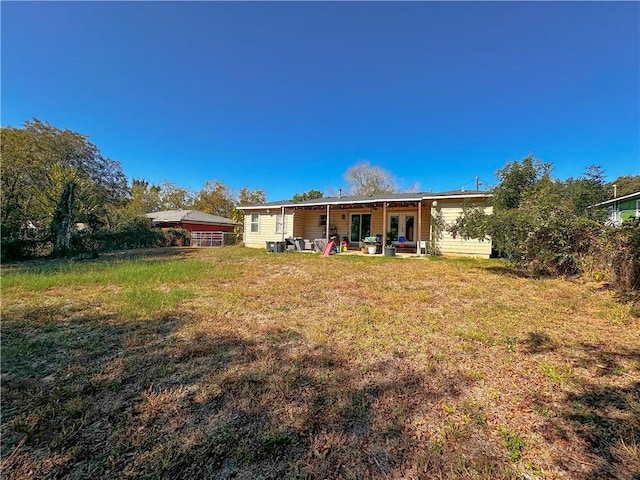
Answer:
(339, 193)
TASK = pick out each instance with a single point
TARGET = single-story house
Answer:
(192, 220)
(622, 208)
(405, 217)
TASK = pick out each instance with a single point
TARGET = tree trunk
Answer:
(63, 221)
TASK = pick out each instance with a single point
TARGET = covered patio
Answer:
(413, 222)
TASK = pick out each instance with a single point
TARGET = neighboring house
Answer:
(192, 220)
(622, 208)
(407, 216)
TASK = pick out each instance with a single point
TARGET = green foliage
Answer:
(625, 185)
(38, 161)
(175, 197)
(176, 237)
(545, 226)
(215, 198)
(310, 195)
(513, 443)
(618, 253)
(126, 231)
(517, 179)
(145, 197)
(588, 189)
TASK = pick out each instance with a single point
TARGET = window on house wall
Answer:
(255, 225)
(279, 223)
(322, 222)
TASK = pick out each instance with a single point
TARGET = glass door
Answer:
(360, 226)
(394, 227)
(402, 226)
(408, 228)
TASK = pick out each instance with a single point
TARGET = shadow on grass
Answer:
(96, 396)
(160, 253)
(605, 418)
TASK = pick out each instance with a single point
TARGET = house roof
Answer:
(363, 199)
(193, 216)
(613, 201)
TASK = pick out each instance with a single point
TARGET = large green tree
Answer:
(542, 225)
(310, 195)
(625, 185)
(40, 161)
(216, 198)
(145, 197)
(175, 197)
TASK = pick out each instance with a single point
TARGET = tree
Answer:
(365, 179)
(39, 161)
(175, 197)
(537, 222)
(624, 185)
(587, 190)
(310, 195)
(145, 197)
(215, 198)
(516, 179)
(246, 196)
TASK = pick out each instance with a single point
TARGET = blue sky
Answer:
(286, 96)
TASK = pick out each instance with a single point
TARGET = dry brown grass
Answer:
(297, 366)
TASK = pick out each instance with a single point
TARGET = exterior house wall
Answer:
(306, 224)
(267, 231)
(628, 209)
(203, 227)
(448, 245)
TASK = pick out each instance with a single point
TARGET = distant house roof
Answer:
(383, 197)
(613, 201)
(192, 216)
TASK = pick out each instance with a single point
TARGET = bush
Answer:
(24, 249)
(176, 237)
(617, 255)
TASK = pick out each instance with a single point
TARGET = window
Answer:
(322, 222)
(279, 223)
(255, 218)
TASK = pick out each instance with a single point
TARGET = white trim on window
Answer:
(255, 223)
(279, 223)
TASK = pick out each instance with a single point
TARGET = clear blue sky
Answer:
(286, 96)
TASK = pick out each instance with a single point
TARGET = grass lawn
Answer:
(235, 363)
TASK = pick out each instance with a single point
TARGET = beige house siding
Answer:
(266, 228)
(306, 224)
(448, 245)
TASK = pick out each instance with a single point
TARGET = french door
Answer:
(402, 225)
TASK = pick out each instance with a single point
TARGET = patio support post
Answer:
(384, 223)
(284, 222)
(419, 236)
(327, 226)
